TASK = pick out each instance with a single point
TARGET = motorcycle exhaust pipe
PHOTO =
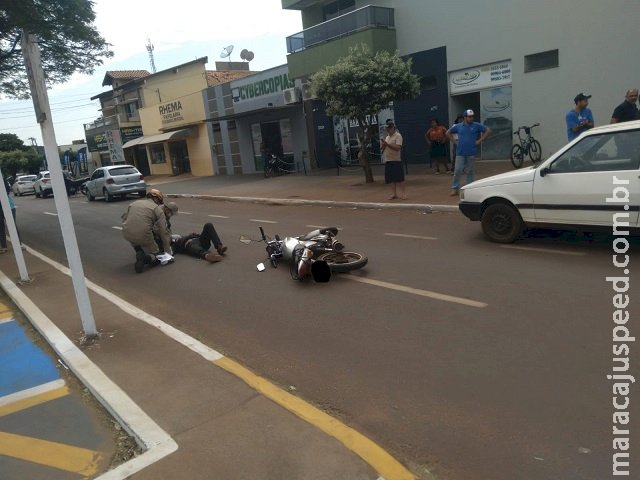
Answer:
(337, 246)
(320, 271)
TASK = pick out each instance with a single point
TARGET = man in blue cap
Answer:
(580, 118)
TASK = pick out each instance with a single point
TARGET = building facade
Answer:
(514, 62)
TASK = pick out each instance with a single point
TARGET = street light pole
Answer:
(31, 53)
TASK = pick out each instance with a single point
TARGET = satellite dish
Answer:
(226, 51)
(246, 55)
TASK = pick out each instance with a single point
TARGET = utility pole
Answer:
(33, 63)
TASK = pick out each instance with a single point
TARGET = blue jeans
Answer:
(462, 162)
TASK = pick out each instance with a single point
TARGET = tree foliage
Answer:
(10, 142)
(362, 84)
(68, 41)
(19, 161)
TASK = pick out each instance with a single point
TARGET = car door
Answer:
(94, 185)
(574, 188)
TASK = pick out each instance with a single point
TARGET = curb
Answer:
(156, 443)
(322, 203)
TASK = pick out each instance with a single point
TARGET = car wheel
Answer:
(501, 223)
(90, 197)
(107, 196)
(37, 193)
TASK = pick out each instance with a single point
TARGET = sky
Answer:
(180, 32)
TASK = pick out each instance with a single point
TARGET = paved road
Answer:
(504, 378)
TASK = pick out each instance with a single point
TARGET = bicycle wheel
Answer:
(517, 156)
(535, 151)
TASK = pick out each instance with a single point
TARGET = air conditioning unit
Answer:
(307, 92)
(291, 95)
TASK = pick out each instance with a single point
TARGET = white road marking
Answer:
(217, 216)
(117, 228)
(185, 213)
(417, 291)
(31, 392)
(405, 235)
(544, 250)
(261, 221)
(51, 213)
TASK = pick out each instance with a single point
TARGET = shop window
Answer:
(157, 153)
(541, 61)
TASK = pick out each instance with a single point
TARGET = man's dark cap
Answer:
(581, 96)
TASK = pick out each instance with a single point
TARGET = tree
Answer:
(69, 43)
(10, 142)
(362, 84)
(19, 161)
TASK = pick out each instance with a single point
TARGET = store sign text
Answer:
(171, 112)
(478, 78)
(263, 87)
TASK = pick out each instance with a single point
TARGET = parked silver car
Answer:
(115, 181)
(42, 185)
(24, 184)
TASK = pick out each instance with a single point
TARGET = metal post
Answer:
(13, 231)
(31, 53)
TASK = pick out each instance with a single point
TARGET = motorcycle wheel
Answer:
(341, 262)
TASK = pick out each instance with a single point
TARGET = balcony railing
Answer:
(365, 17)
(113, 120)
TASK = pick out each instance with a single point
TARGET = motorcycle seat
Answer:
(322, 231)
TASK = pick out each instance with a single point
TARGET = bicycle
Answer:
(277, 166)
(526, 146)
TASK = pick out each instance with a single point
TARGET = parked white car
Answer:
(24, 185)
(115, 181)
(42, 185)
(582, 187)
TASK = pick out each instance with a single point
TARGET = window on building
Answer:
(131, 109)
(541, 61)
(428, 83)
(157, 153)
(337, 8)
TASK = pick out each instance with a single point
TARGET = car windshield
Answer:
(28, 178)
(116, 172)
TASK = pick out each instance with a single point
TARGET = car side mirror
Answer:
(544, 171)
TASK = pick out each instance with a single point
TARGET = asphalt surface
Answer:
(513, 389)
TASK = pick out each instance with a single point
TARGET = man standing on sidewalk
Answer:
(627, 110)
(580, 118)
(470, 135)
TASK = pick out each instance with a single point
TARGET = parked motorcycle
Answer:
(317, 253)
(75, 185)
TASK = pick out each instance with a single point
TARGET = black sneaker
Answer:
(140, 258)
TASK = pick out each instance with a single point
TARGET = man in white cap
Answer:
(470, 135)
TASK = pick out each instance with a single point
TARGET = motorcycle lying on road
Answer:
(317, 254)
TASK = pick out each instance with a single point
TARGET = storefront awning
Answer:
(161, 137)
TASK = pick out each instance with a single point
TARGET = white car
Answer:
(115, 181)
(23, 185)
(589, 184)
(42, 185)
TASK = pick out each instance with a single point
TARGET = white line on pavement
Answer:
(217, 216)
(417, 291)
(51, 213)
(261, 221)
(405, 235)
(31, 392)
(185, 213)
(544, 250)
(117, 228)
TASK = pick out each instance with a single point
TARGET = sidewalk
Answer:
(424, 189)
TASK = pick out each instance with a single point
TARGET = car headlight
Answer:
(461, 194)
